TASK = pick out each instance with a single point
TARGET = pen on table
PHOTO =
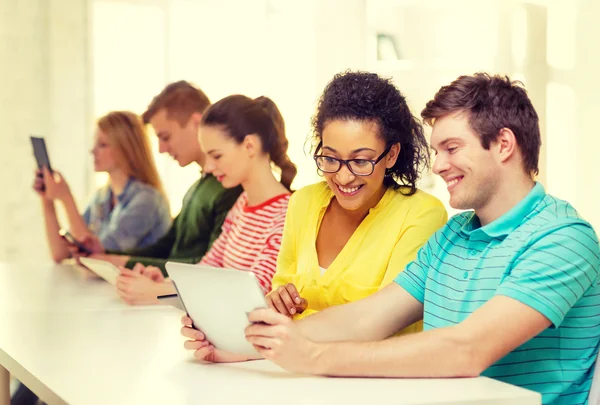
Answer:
(163, 297)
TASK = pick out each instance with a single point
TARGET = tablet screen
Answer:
(40, 152)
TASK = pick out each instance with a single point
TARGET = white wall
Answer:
(282, 49)
(64, 62)
(586, 83)
(572, 105)
(44, 84)
(289, 50)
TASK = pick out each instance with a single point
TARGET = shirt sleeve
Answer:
(286, 260)
(413, 278)
(554, 270)
(132, 225)
(86, 215)
(160, 249)
(417, 231)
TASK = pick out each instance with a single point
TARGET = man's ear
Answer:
(506, 144)
(195, 119)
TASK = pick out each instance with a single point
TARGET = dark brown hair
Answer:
(241, 116)
(367, 97)
(181, 99)
(491, 103)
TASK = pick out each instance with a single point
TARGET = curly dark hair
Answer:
(364, 96)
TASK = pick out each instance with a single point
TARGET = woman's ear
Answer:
(392, 156)
(252, 144)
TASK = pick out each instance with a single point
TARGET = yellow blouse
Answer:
(381, 247)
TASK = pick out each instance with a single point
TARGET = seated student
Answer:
(175, 115)
(347, 237)
(130, 211)
(241, 137)
(508, 290)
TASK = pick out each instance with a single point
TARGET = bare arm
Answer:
(464, 350)
(78, 226)
(373, 318)
(58, 246)
(526, 303)
(58, 189)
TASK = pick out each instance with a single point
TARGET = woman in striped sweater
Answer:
(242, 138)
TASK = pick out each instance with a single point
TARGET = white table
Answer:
(73, 342)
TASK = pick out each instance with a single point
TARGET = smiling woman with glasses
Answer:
(348, 236)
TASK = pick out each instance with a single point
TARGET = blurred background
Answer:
(63, 63)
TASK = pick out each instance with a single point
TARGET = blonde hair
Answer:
(127, 135)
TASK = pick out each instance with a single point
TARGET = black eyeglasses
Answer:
(358, 167)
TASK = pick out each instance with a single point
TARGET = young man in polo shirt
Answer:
(508, 290)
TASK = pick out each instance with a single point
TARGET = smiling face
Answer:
(227, 160)
(471, 172)
(350, 139)
(181, 142)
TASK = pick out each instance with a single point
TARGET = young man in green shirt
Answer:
(175, 114)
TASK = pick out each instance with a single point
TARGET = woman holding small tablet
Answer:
(131, 211)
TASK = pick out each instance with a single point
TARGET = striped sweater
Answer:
(251, 238)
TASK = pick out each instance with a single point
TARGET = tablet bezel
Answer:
(104, 269)
(218, 300)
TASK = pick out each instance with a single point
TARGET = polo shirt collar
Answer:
(510, 220)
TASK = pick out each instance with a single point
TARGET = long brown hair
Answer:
(241, 116)
(126, 133)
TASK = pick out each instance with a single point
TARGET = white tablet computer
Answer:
(218, 301)
(102, 268)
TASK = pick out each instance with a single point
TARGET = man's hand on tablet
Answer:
(203, 350)
(278, 339)
(286, 300)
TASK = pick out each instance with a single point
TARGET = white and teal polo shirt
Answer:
(541, 253)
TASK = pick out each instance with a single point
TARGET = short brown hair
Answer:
(492, 103)
(181, 99)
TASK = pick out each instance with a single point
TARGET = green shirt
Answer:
(194, 230)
